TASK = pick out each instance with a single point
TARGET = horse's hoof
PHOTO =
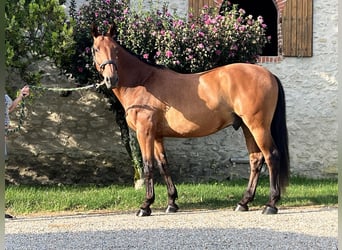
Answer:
(270, 210)
(144, 212)
(171, 209)
(241, 208)
(8, 216)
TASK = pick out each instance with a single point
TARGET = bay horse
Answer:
(162, 103)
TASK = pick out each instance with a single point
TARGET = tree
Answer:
(36, 30)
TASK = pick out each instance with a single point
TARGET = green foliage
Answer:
(184, 45)
(36, 30)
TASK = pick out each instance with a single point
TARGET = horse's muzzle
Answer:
(111, 82)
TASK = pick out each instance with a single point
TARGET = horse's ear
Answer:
(94, 31)
(112, 30)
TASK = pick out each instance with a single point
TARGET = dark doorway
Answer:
(268, 11)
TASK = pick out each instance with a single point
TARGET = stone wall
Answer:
(75, 139)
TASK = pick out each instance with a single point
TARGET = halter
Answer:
(103, 65)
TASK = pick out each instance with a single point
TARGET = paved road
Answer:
(300, 228)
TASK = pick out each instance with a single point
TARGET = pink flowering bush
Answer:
(186, 45)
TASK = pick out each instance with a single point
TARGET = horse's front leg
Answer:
(145, 138)
(159, 154)
(145, 209)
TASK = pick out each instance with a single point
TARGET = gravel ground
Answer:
(295, 228)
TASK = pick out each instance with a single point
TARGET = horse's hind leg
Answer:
(272, 158)
(256, 160)
(160, 157)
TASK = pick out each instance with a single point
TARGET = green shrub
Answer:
(36, 30)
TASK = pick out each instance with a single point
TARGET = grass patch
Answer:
(24, 200)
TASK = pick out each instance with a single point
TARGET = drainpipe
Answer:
(237, 160)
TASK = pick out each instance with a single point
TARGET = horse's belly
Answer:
(195, 126)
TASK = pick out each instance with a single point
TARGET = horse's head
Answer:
(104, 56)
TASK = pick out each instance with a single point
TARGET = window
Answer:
(196, 5)
(297, 28)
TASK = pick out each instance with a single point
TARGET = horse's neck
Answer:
(132, 71)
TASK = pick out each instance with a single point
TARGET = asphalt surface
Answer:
(295, 228)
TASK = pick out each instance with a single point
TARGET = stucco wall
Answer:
(75, 139)
(311, 89)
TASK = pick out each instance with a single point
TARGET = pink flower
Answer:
(234, 47)
(107, 1)
(260, 19)
(80, 69)
(218, 52)
(207, 22)
(125, 11)
(200, 46)
(178, 23)
(145, 56)
(168, 53)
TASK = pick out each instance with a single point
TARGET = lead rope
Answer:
(9, 131)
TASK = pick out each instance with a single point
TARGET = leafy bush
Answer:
(184, 45)
(36, 30)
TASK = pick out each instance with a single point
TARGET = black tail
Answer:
(280, 136)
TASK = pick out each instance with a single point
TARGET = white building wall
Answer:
(180, 7)
(311, 90)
